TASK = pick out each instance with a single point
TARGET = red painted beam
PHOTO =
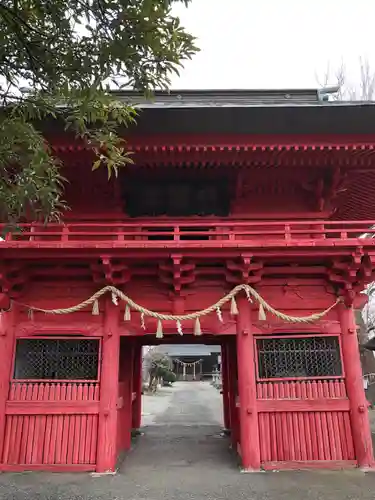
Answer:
(354, 384)
(47, 467)
(316, 464)
(181, 142)
(284, 405)
(248, 415)
(137, 387)
(225, 385)
(298, 252)
(107, 431)
(51, 408)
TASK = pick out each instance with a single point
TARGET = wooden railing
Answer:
(189, 233)
(25, 390)
(51, 424)
(302, 389)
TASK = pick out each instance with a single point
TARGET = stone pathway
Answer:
(372, 420)
(182, 456)
(182, 427)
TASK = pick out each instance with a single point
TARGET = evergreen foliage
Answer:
(58, 60)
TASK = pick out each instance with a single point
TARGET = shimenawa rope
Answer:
(250, 292)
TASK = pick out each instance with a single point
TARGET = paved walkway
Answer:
(182, 456)
(372, 420)
(182, 427)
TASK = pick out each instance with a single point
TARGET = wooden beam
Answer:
(249, 425)
(107, 431)
(354, 385)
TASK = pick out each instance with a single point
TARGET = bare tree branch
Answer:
(359, 88)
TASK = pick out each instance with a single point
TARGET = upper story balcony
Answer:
(192, 234)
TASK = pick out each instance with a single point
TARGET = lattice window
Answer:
(57, 359)
(298, 357)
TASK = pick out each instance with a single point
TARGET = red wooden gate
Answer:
(53, 422)
(302, 402)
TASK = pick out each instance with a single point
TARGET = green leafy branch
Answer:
(67, 53)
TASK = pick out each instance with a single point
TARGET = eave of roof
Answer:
(246, 112)
(150, 147)
(233, 98)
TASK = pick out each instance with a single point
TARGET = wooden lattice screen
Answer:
(53, 404)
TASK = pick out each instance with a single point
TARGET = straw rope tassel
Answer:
(127, 315)
(114, 299)
(159, 330)
(219, 315)
(233, 307)
(247, 291)
(95, 308)
(262, 313)
(179, 327)
(197, 327)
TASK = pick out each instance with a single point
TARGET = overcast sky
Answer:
(275, 43)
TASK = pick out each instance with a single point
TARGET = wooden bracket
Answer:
(13, 279)
(350, 275)
(177, 274)
(244, 270)
(110, 271)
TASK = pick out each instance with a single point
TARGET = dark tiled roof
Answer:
(188, 349)
(224, 98)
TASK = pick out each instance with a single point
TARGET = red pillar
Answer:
(249, 428)
(128, 393)
(7, 321)
(354, 385)
(137, 388)
(225, 388)
(107, 431)
(232, 392)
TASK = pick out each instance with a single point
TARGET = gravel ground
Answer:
(182, 456)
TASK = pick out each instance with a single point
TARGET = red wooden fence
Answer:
(228, 233)
(304, 421)
(51, 423)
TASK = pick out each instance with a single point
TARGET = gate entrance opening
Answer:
(182, 422)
